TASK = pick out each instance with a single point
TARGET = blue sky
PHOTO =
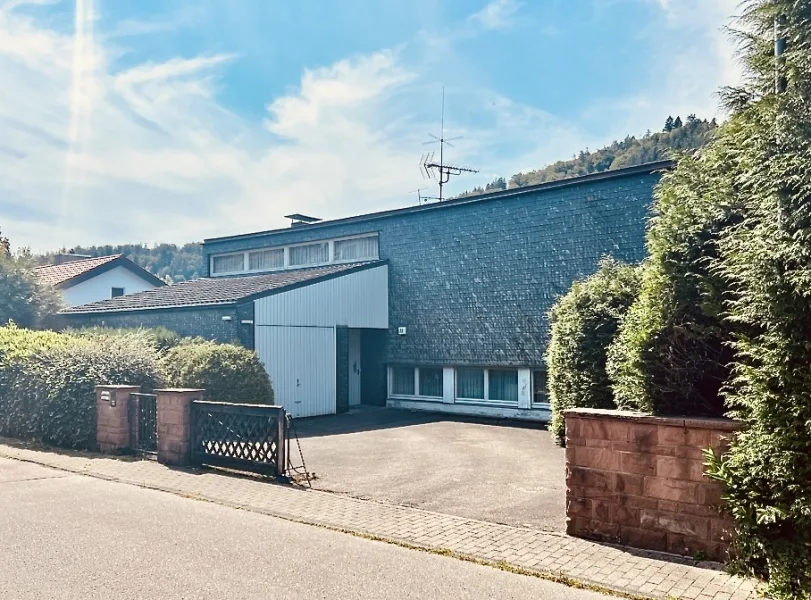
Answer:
(150, 120)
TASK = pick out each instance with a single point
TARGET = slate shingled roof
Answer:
(216, 291)
(58, 274)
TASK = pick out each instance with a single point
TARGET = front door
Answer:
(354, 367)
(373, 367)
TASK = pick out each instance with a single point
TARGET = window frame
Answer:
(330, 242)
(418, 381)
(414, 383)
(114, 288)
(486, 400)
(249, 253)
(533, 403)
(225, 255)
(416, 395)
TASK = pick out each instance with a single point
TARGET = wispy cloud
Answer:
(498, 14)
(95, 153)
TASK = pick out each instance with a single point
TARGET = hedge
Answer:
(672, 354)
(48, 380)
(160, 338)
(227, 372)
(767, 262)
(584, 323)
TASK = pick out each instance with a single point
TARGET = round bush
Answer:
(584, 322)
(227, 372)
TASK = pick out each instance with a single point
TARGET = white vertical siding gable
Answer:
(359, 299)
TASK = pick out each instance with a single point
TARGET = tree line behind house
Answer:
(675, 136)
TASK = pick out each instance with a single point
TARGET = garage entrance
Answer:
(322, 344)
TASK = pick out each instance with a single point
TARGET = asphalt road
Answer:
(65, 536)
(501, 472)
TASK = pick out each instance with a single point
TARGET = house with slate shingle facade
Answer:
(84, 279)
(439, 307)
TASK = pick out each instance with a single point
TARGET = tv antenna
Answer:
(420, 198)
(432, 169)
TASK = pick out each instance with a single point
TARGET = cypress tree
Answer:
(766, 260)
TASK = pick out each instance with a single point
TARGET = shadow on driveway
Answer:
(499, 471)
(370, 418)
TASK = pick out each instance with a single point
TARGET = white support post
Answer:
(448, 385)
(524, 388)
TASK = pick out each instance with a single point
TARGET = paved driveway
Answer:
(502, 472)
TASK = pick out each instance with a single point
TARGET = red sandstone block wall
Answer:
(639, 480)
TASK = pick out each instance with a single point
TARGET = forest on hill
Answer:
(174, 263)
(676, 135)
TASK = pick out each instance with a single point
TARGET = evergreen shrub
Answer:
(584, 323)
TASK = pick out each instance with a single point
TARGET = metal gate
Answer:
(143, 416)
(239, 436)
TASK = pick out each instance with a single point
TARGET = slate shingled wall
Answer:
(202, 322)
(473, 283)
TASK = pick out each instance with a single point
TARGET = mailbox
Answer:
(108, 396)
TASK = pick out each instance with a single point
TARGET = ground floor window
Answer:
(430, 380)
(402, 381)
(417, 381)
(487, 385)
(523, 388)
(470, 384)
(503, 385)
(539, 393)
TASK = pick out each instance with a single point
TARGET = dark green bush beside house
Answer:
(672, 354)
(227, 372)
(584, 322)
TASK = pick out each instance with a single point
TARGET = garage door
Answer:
(301, 365)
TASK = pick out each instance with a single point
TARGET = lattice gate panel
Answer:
(243, 436)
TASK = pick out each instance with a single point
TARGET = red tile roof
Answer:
(56, 274)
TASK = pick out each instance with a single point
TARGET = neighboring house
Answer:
(438, 307)
(84, 279)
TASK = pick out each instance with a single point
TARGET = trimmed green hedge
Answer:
(227, 372)
(672, 353)
(161, 338)
(584, 323)
(48, 380)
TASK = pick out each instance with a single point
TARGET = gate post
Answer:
(281, 444)
(174, 424)
(112, 417)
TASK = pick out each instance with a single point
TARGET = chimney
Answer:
(298, 220)
(61, 259)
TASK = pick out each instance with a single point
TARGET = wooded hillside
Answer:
(676, 135)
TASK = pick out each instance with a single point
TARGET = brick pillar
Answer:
(174, 424)
(112, 417)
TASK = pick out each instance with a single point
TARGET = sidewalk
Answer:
(557, 556)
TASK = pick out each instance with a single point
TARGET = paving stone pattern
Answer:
(620, 569)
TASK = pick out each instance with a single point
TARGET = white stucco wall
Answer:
(100, 287)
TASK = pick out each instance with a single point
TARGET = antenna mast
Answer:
(439, 170)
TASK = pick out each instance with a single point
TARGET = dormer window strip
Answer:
(295, 256)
